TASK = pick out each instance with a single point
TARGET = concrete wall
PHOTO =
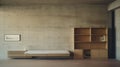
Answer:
(117, 23)
(47, 26)
(116, 7)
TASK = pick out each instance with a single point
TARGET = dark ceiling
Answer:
(32, 2)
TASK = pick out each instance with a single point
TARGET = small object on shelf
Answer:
(102, 38)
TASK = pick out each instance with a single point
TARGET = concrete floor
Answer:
(58, 63)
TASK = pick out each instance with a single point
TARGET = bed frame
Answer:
(39, 53)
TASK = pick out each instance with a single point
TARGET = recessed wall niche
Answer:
(12, 37)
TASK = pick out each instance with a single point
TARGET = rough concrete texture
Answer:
(117, 23)
(47, 26)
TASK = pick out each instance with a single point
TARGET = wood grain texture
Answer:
(17, 54)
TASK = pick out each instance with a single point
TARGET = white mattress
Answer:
(47, 52)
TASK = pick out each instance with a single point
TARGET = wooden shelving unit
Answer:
(91, 43)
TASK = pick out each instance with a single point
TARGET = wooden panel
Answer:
(104, 54)
(82, 45)
(99, 31)
(99, 54)
(17, 54)
(81, 38)
(82, 31)
(78, 54)
(94, 54)
(98, 45)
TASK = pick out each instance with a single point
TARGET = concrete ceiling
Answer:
(32, 2)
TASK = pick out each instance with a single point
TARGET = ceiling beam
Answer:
(30, 2)
(114, 5)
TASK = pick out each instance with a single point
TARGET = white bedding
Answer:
(47, 52)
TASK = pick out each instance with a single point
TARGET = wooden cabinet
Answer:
(92, 42)
(82, 38)
(99, 54)
(78, 54)
(17, 54)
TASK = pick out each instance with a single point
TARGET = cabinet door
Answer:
(99, 54)
(103, 54)
(78, 54)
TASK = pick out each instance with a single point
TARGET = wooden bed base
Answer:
(21, 54)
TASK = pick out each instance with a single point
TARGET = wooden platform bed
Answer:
(40, 54)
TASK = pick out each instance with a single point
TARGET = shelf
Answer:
(98, 38)
(98, 34)
(91, 42)
(82, 31)
(82, 38)
(82, 45)
(99, 42)
(83, 34)
(98, 31)
(82, 41)
(98, 46)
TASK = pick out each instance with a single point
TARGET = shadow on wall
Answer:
(112, 39)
